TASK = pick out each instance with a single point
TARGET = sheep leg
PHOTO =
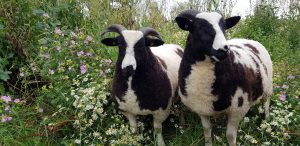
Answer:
(232, 127)
(158, 119)
(132, 121)
(267, 106)
(207, 129)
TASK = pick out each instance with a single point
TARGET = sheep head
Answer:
(207, 31)
(133, 45)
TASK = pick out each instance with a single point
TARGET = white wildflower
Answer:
(285, 135)
(269, 129)
(85, 10)
(261, 110)
(85, 79)
(246, 120)
(78, 141)
(94, 116)
(218, 138)
(263, 126)
(253, 140)
(96, 134)
(248, 137)
(266, 143)
(88, 107)
(274, 123)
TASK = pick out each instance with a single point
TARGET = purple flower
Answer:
(73, 34)
(82, 69)
(282, 96)
(51, 71)
(17, 100)
(46, 15)
(7, 99)
(89, 38)
(7, 108)
(284, 86)
(88, 54)
(290, 77)
(80, 53)
(6, 118)
(41, 110)
(58, 31)
(108, 61)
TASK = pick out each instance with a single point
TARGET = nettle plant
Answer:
(79, 78)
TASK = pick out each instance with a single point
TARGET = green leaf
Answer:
(4, 75)
(3, 61)
(10, 55)
(2, 89)
(55, 23)
(38, 12)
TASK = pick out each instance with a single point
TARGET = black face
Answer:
(207, 32)
(203, 35)
(222, 25)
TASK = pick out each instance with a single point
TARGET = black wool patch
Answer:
(179, 52)
(163, 63)
(230, 76)
(151, 83)
(240, 101)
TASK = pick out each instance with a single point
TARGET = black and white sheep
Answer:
(221, 76)
(146, 75)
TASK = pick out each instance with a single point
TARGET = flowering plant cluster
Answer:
(7, 106)
(79, 74)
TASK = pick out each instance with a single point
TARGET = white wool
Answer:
(131, 38)
(198, 87)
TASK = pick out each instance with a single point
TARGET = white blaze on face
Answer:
(131, 37)
(214, 18)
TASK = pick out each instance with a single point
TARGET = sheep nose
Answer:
(128, 71)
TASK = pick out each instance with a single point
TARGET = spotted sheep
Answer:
(221, 76)
(146, 74)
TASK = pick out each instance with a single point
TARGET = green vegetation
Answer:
(55, 75)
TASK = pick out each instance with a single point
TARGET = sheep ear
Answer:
(232, 21)
(184, 23)
(153, 42)
(110, 41)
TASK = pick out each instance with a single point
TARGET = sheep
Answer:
(146, 75)
(219, 76)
